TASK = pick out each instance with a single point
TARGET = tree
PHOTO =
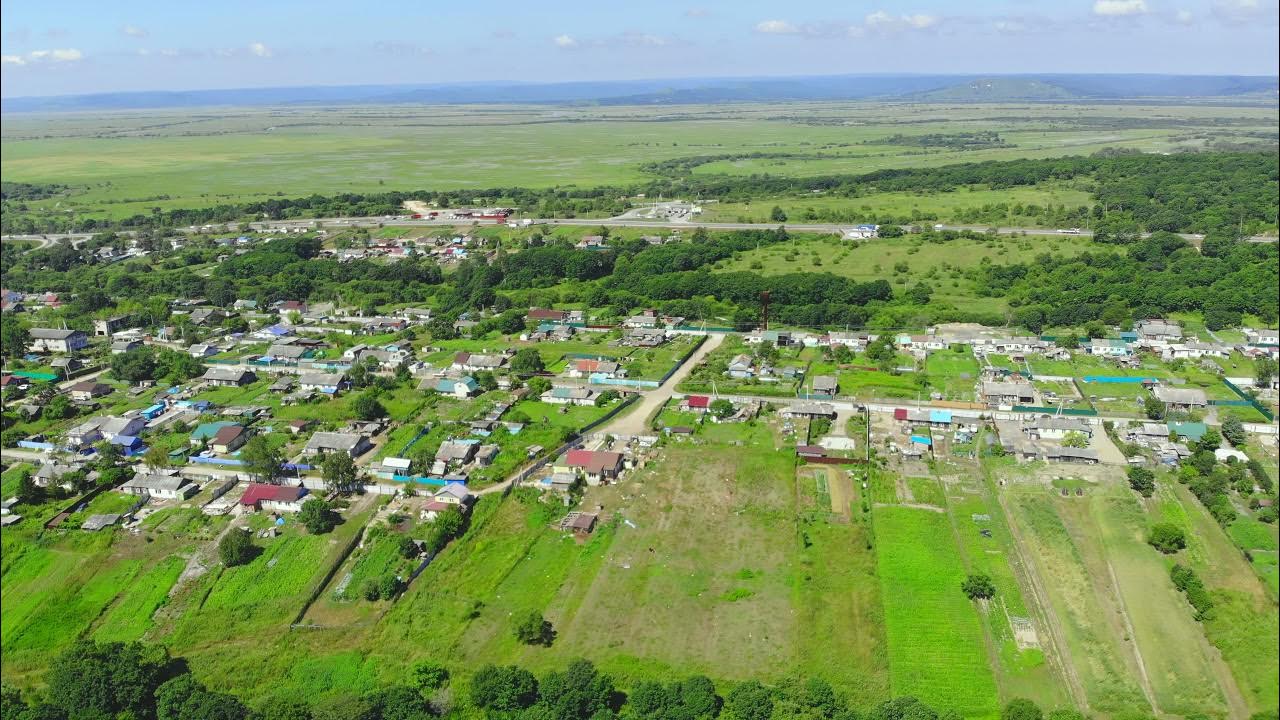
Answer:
(185, 698)
(367, 407)
(527, 361)
(720, 408)
(1021, 709)
(532, 628)
(1142, 480)
(14, 335)
(606, 397)
(428, 676)
(317, 516)
(979, 586)
(29, 493)
(339, 470)
(503, 688)
(1153, 408)
(578, 693)
(749, 701)
(59, 408)
(777, 214)
(1264, 370)
(261, 458)
(1233, 431)
(134, 366)
(285, 708)
(156, 459)
(1075, 440)
(1210, 441)
(399, 702)
(236, 547)
(93, 680)
(537, 386)
(1168, 538)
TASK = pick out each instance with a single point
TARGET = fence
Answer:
(835, 461)
(30, 375)
(622, 382)
(1117, 379)
(683, 359)
(1263, 409)
(33, 445)
(542, 461)
(1082, 412)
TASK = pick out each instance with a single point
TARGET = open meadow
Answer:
(124, 163)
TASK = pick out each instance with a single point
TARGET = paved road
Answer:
(621, 222)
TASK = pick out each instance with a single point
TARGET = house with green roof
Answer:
(205, 431)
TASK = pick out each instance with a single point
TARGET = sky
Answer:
(61, 47)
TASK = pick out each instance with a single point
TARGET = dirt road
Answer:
(632, 422)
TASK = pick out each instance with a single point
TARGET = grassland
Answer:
(129, 162)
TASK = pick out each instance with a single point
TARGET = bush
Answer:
(1185, 580)
(317, 516)
(1167, 538)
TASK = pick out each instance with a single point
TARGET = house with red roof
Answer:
(596, 465)
(273, 498)
(695, 403)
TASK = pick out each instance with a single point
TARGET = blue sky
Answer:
(59, 47)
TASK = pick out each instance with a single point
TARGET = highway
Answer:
(338, 223)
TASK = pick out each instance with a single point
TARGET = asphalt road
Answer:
(618, 222)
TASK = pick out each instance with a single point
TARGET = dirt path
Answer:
(840, 488)
(633, 421)
(1056, 650)
(200, 561)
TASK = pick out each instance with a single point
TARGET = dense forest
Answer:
(1188, 192)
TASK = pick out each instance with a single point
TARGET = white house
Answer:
(56, 340)
(862, 232)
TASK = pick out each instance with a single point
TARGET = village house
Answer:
(1108, 347)
(740, 367)
(287, 353)
(201, 351)
(810, 410)
(862, 232)
(273, 498)
(55, 340)
(644, 337)
(327, 383)
(1147, 433)
(327, 442)
(1192, 351)
(1053, 427)
(227, 377)
(1158, 331)
(941, 419)
(1180, 398)
(163, 487)
(228, 439)
(595, 465)
(569, 396)
(50, 474)
(596, 368)
(452, 495)
(453, 454)
(105, 427)
(201, 317)
(475, 362)
(461, 388)
(854, 341)
(1083, 456)
(66, 365)
(1264, 336)
(105, 327)
(695, 404)
(825, 386)
(120, 347)
(87, 390)
(996, 392)
(545, 315)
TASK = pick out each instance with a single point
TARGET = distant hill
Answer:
(913, 88)
(997, 89)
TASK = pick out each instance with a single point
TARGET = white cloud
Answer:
(1246, 12)
(403, 49)
(259, 50)
(565, 41)
(697, 13)
(776, 27)
(883, 22)
(133, 31)
(1184, 16)
(36, 57)
(1119, 8)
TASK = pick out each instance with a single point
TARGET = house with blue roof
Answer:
(463, 387)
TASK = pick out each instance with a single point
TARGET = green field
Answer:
(130, 162)
(936, 647)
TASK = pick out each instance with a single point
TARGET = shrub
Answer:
(1167, 538)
